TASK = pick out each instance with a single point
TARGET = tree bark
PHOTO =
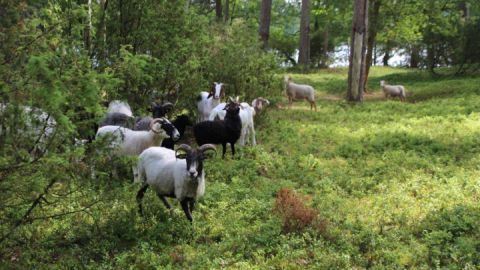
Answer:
(218, 9)
(227, 11)
(87, 36)
(304, 49)
(264, 28)
(357, 71)
(386, 56)
(414, 56)
(325, 48)
(372, 34)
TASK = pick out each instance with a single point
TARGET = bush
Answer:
(296, 215)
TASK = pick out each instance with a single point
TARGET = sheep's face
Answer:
(258, 103)
(160, 110)
(194, 158)
(166, 129)
(217, 90)
(232, 108)
(382, 83)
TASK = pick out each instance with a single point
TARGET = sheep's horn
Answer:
(168, 105)
(184, 147)
(265, 100)
(237, 99)
(207, 147)
(156, 120)
(230, 99)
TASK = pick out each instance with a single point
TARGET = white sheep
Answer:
(393, 90)
(132, 142)
(299, 91)
(246, 116)
(206, 101)
(172, 174)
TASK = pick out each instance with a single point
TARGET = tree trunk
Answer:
(218, 9)
(372, 34)
(304, 49)
(414, 56)
(356, 71)
(387, 56)
(325, 48)
(264, 29)
(227, 11)
(88, 28)
(102, 33)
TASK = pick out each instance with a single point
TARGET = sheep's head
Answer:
(259, 102)
(194, 158)
(233, 106)
(287, 78)
(160, 110)
(217, 91)
(382, 83)
(164, 128)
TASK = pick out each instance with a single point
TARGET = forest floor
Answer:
(381, 185)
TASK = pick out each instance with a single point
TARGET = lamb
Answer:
(207, 101)
(299, 91)
(180, 123)
(133, 142)
(173, 174)
(221, 132)
(393, 91)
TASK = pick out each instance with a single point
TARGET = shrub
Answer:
(295, 214)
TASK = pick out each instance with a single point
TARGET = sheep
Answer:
(393, 91)
(118, 114)
(133, 142)
(221, 132)
(207, 101)
(246, 116)
(172, 174)
(299, 91)
(180, 123)
(259, 103)
(157, 110)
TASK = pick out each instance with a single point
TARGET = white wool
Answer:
(161, 170)
(117, 106)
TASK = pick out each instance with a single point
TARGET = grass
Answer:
(396, 185)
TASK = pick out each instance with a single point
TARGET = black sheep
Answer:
(221, 132)
(180, 123)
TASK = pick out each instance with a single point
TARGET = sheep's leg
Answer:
(224, 150)
(185, 208)
(166, 203)
(140, 195)
(191, 204)
(290, 101)
(232, 145)
(252, 131)
(243, 133)
(313, 105)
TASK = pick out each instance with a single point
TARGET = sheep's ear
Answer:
(181, 155)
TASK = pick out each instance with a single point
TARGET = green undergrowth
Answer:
(396, 186)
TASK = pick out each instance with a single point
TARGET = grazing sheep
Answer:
(172, 174)
(133, 142)
(299, 91)
(180, 123)
(221, 132)
(393, 91)
(207, 101)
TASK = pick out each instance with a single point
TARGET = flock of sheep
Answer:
(179, 173)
